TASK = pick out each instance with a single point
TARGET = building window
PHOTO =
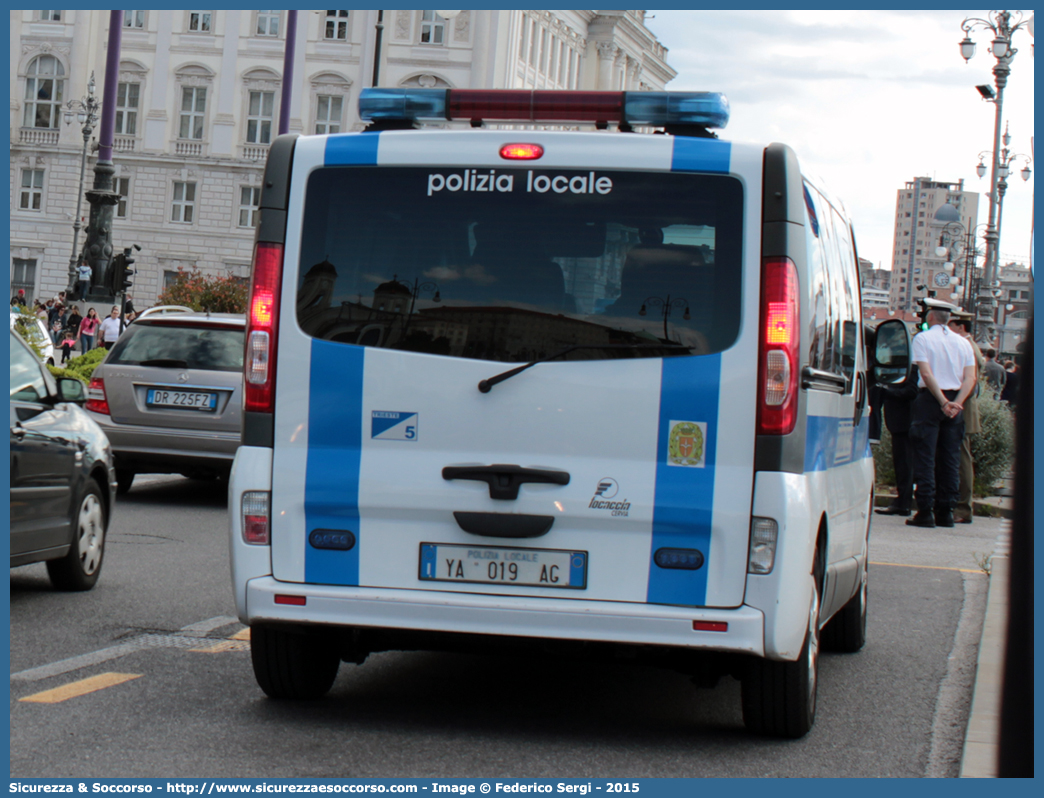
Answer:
(259, 117)
(328, 114)
(134, 19)
(31, 196)
(249, 200)
(336, 26)
(50, 16)
(23, 275)
(193, 106)
(267, 23)
(433, 28)
(123, 189)
(127, 108)
(199, 21)
(44, 87)
(184, 202)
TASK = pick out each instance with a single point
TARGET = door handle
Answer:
(505, 480)
(18, 431)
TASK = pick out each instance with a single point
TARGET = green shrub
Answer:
(993, 449)
(82, 367)
(204, 292)
(58, 371)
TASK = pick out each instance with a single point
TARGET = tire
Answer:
(124, 480)
(292, 665)
(779, 698)
(846, 631)
(80, 568)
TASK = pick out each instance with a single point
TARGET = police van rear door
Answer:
(519, 377)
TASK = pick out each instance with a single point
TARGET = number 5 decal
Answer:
(411, 433)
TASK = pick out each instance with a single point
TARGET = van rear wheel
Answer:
(293, 665)
(779, 698)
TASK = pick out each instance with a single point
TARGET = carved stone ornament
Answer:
(606, 51)
(425, 81)
(461, 26)
(402, 25)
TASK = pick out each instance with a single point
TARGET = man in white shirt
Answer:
(946, 377)
(110, 329)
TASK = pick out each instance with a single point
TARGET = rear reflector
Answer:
(710, 626)
(97, 402)
(262, 324)
(255, 517)
(296, 601)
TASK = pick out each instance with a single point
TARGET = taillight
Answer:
(255, 517)
(262, 324)
(778, 350)
(97, 401)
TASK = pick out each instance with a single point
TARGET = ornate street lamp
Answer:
(1004, 161)
(1002, 25)
(666, 306)
(85, 112)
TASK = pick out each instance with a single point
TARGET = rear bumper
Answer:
(431, 611)
(143, 446)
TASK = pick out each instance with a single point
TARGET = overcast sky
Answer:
(867, 99)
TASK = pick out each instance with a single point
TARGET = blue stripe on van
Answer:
(821, 442)
(334, 453)
(700, 155)
(683, 505)
(359, 149)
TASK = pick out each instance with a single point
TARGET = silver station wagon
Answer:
(169, 395)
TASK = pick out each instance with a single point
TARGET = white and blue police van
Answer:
(598, 390)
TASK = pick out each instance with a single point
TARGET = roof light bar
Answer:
(703, 108)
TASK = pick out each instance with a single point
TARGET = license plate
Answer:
(503, 566)
(190, 400)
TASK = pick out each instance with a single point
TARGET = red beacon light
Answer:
(521, 152)
(647, 108)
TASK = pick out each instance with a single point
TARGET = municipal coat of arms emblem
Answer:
(686, 445)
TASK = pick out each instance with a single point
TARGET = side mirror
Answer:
(71, 389)
(890, 356)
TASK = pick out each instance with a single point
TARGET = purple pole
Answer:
(288, 72)
(112, 76)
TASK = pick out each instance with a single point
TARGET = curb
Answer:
(982, 738)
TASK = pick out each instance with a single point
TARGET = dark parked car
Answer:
(63, 483)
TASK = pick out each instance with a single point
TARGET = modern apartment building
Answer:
(917, 234)
(198, 103)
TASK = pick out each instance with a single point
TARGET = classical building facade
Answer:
(197, 106)
(917, 234)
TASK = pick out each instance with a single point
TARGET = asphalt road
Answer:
(186, 704)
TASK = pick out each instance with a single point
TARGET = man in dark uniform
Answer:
(896, 401)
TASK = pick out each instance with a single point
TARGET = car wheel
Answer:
(79, 569)
(293, 665)
(50, 361)
(124, 480)
(779, 698)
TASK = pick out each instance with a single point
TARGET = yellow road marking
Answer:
(82, 687)
(240, 641)
(242, 634)
(933, 567)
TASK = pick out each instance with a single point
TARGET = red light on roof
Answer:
(710, 626)
(521, 152)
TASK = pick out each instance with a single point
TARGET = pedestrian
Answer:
(88, 329)
(110, 329)
(18, 300)
(73, 319)
(40, 311)
(1011, 384)
(67, 343)
(960, 323)
(128, 306)
(994, 372)
(54, 313)
(56, 331)
(946, 378)
(896, 401)
(83, 279)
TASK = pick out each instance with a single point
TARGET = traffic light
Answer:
(121, 273)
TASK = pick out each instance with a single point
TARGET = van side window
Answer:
(822, 321)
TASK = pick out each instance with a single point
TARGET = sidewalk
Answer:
(982, 737)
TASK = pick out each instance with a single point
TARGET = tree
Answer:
(204, 292)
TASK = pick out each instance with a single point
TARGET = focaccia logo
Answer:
(687, 445)
(482, 181)
(607, 489)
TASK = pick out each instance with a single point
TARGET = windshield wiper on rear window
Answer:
(485, 385)
(165, 361)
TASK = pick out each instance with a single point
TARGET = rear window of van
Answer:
(516, 264)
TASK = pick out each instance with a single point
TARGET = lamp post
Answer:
(1000, 23)
(85, 112)
(1004, 161)
(666, 306)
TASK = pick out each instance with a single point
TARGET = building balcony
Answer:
(39, 136)
(253, 152)
(124, 144)
(190, 149)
